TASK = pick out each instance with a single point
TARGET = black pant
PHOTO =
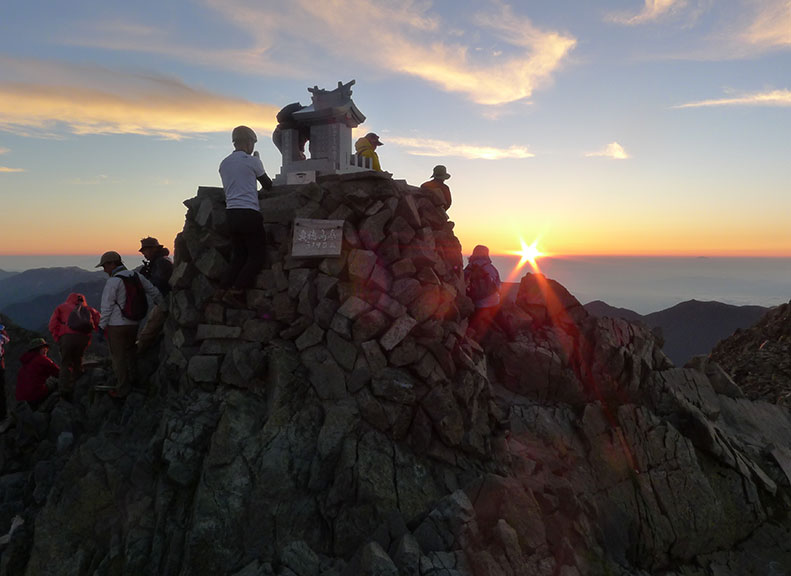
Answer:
(247, 238)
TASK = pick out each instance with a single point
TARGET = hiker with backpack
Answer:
(124, 305)
(71, 325)
(483, 288)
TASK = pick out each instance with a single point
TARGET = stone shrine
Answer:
(329, 121)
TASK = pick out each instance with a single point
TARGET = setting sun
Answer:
(529, 254)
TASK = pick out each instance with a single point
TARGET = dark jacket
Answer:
(32, 377)
(159, 270)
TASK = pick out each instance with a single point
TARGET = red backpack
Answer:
(136, 305)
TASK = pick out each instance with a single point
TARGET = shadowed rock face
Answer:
(343, 423)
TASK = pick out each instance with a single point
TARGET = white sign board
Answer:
(317, 238)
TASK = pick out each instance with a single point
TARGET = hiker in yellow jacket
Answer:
(366, 148)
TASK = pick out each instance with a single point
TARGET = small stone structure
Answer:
(330, 119)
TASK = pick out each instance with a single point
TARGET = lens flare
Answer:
(529, 254)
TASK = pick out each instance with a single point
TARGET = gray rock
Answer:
(326, 377)
(397, 332)
(394, 385)
(353, 307)
(211, 264)
(203, 369)
(299, 558)
(375, 562)
(369, 325)
(344, 352)
(310, 337)
(215, 331)
(360, 264)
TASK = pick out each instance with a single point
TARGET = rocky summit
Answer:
(343, 423)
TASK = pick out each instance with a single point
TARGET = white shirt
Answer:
(114, 297)
(239, 173)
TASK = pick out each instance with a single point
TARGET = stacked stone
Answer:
(384, 322)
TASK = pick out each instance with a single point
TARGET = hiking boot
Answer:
(234, 299)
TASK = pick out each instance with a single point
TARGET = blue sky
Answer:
(612, 127)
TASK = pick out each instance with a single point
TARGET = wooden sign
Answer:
(317, 238)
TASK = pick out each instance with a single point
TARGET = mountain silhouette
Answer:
(690, 328)
(29, 284)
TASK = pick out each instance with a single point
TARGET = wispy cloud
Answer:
(771, 25)
(768, 98)
(516, 58)
(442, 148)
(6, 169)
(94, 100)
(4, 150)
(653, 10)
(612, 150)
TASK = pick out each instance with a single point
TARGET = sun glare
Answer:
(529, 254)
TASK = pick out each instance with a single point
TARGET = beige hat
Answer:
(111, 256)
(149, 242)
(440, 172)
(243, 133)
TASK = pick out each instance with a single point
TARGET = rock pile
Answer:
(383, 323)
(759, 358)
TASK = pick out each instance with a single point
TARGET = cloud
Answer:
(653, 10)
(770, 27)
(443, 148)
(499, 57)
(612, 150)
(4, 150)
(769, 98)
(94, 100)
(6, 169)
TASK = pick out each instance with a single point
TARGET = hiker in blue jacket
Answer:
(120, 318)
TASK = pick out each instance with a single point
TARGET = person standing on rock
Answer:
(437, 184)
(71, 325)
(483, 287)
(366, 148)
(123, 306)
(158, 268)
(239, 172)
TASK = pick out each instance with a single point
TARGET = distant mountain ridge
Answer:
(24, 286)
(6, 274)
(689, 328)
(34, 314)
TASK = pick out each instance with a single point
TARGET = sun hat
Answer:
(111, 256)
(440, 172)
(149, 242)
(37, 343)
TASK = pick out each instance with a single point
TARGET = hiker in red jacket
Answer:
(37, 367)
(71, 325)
